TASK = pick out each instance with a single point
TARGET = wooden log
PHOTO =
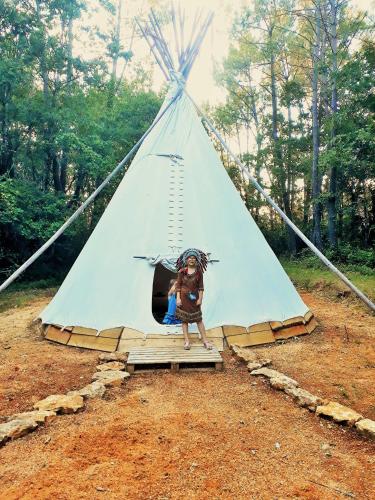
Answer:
(311, 325)
(250, 339)
(298, 320)
(291, 331)
(111, 333)
(276, 325)
(56, 335)
(90, 342)
(259, 327)
(230, 330)
(80, 330)
(308, 316)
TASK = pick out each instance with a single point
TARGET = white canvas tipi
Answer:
(176, 194)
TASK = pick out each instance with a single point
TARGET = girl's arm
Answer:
(178, 289)
(200, 290)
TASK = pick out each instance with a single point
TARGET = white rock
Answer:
(366, 427)
(39, 416)
(326, 449)
(264, 362)
(61, 403)
(243, 354)
(111, 365)
(111, 377)
(113, 356)
(282, 382)
(94, 390)
(277, 379)
(253, 365)
(304, 398)
(339, 413)
(17, 428)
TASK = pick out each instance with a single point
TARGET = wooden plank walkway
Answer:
(175, 358)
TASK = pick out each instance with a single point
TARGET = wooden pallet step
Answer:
(182, 352)
(175, 351)
(167, 359)
(192, 351)
(173, 358)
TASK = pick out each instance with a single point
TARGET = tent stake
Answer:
(72, 218)
(312, 247)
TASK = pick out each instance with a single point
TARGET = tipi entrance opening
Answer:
(160, 288)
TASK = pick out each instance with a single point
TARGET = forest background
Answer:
(298, 106)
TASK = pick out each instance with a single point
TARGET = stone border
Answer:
(322, 407)
(109, 373)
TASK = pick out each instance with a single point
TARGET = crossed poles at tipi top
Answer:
(177, 69)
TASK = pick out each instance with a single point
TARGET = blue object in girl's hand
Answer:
(192, 296)
(170, 318)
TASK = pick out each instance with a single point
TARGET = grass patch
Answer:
(312, 277)
(22, 294)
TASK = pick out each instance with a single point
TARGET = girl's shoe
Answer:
(187, 346)
(207, 345)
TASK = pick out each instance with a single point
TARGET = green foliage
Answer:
(66, 123)
(32, 215)
(315, 277)
(268, 115)
(352, 258)
(22, 294)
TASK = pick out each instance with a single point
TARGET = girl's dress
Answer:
(189, 285)
(170, 318)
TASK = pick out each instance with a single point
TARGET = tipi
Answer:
(176, 194)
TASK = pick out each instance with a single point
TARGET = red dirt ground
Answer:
(194, 435)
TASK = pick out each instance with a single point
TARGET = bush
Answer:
(351, 258)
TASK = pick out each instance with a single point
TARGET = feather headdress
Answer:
(192, 252)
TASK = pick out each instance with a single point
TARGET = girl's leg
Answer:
(202, 331)
(186, 337)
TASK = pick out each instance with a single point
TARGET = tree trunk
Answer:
(258, 166)
(290, 182)
(306, 199)
(51, 164)
(53, 161)
(315, 174)
(115, 55)
(69, 66)
(331, 205)
(371, 220)
(278, 162)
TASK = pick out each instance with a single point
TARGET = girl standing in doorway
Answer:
(191, 266)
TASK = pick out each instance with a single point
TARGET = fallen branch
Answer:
(345, 493)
